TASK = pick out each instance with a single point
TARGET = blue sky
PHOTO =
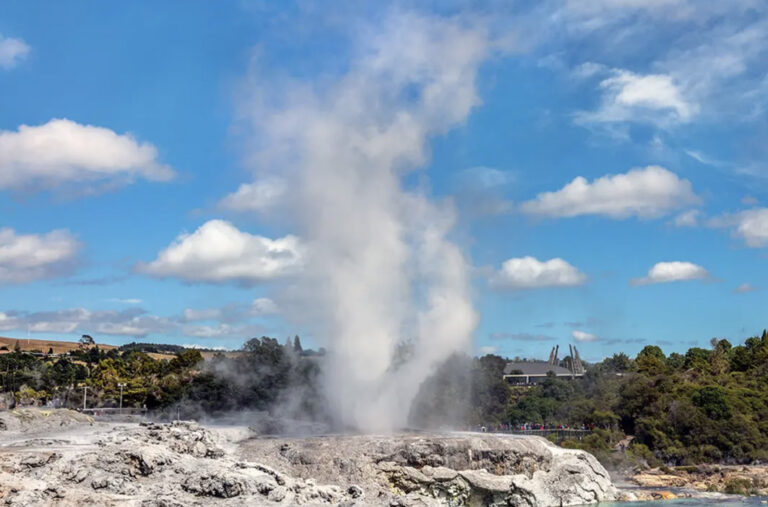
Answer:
(124, 127)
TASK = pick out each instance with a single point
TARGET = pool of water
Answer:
(730, 501)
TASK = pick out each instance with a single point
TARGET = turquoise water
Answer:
(754, 501)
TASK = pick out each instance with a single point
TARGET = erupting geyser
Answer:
(380, 268)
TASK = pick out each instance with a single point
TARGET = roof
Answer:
(537, 368)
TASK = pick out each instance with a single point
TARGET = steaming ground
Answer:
(63, 458)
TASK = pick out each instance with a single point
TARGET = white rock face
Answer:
(448, 469)
(181, 464)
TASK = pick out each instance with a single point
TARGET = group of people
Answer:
(503, 427)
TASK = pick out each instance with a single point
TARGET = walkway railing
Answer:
(560, 434)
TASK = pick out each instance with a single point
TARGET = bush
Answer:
(738, 486)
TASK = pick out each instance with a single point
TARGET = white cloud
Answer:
(62, 152)
(223, 330)
(133, 322)
(688, 218)
(263, 306)
(257, 196)
(531, 273)
(750, 225)
(28, 257)
(12, 51)
(676, 271)
(126, 301)
(581, 336)
(233, 312)
(652, 98)
(745, 287)
(647, 192)
(218, 252)
(703, 159)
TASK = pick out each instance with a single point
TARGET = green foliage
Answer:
(738, 486)
(697, 407)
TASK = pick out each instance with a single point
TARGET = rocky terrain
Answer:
(731, 479)
(63, 458)
(452, 469)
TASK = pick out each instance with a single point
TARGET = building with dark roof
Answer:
(534, 372)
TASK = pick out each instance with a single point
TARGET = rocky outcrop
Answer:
(731, 479)
(183, 463)
(151, 465)
(454, 469)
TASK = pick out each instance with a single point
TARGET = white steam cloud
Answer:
(380, 268)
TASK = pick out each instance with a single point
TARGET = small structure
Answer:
(533, 372)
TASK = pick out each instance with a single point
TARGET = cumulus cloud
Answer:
(581, 336)
(676, 271)
(62, 152)
(531, 273)
(28, 257)
(647, 192)
(255, 197)
(653, 98)
(218, 252)
(12, 51)
(750, 225)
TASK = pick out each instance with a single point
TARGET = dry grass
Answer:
(44, 345)
(60, 347)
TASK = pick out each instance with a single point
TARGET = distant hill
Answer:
(59, 347)
(155, 350)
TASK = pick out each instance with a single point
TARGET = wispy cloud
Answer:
(744, 288)
(12, 51)
(522, 337)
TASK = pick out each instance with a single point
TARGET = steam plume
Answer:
(381, 268)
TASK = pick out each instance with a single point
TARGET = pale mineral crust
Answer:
(184, 463)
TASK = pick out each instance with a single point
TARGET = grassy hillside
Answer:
(59, 347)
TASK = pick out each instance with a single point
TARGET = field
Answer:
(59, 347)
(62, 347)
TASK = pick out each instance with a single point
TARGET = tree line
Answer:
(706, 405)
